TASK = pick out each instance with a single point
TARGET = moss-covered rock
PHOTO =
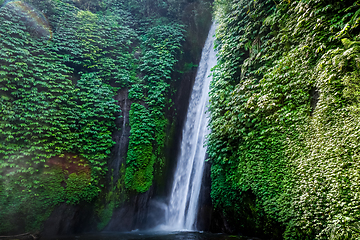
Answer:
(283, 122)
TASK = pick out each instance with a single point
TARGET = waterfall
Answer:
(121, 137)
(183, 205)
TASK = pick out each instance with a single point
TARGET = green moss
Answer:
(147, 117)
(105, 215)
(113, 198)
(57, 99)
(281, 111)
(57, 111)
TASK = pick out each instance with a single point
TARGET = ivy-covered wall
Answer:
(61, 64)
(285, 126)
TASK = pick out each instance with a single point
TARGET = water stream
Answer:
(183, 204)
(138, 235)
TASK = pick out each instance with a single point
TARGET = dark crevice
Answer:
(314, 94)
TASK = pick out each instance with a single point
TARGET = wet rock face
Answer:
(132, 214)
(205, 211)
(67, 219)
(121, 136)
(219, 223)
(247, 219)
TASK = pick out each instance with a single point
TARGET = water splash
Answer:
(183, 205)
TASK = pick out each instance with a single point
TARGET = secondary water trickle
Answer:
(183, 205)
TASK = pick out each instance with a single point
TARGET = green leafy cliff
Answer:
(285, 126)
(61, 64)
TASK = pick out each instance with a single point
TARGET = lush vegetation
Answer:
(55, 119)
(61, 64)
(284, 109)
(285, 117)
(161, 44)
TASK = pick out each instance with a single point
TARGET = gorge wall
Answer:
(93, 97)
(284, 118)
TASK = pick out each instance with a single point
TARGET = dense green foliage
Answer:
(61, 64)
(148, 125)
(50, 108)
(285, 117)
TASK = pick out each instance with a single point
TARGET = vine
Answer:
(56, 100)
(148, 121)
(61, 64)
(280, 107)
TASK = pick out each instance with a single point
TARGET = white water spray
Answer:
(183, 205)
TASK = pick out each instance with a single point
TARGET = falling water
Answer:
(122, 137)
(183, 205)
